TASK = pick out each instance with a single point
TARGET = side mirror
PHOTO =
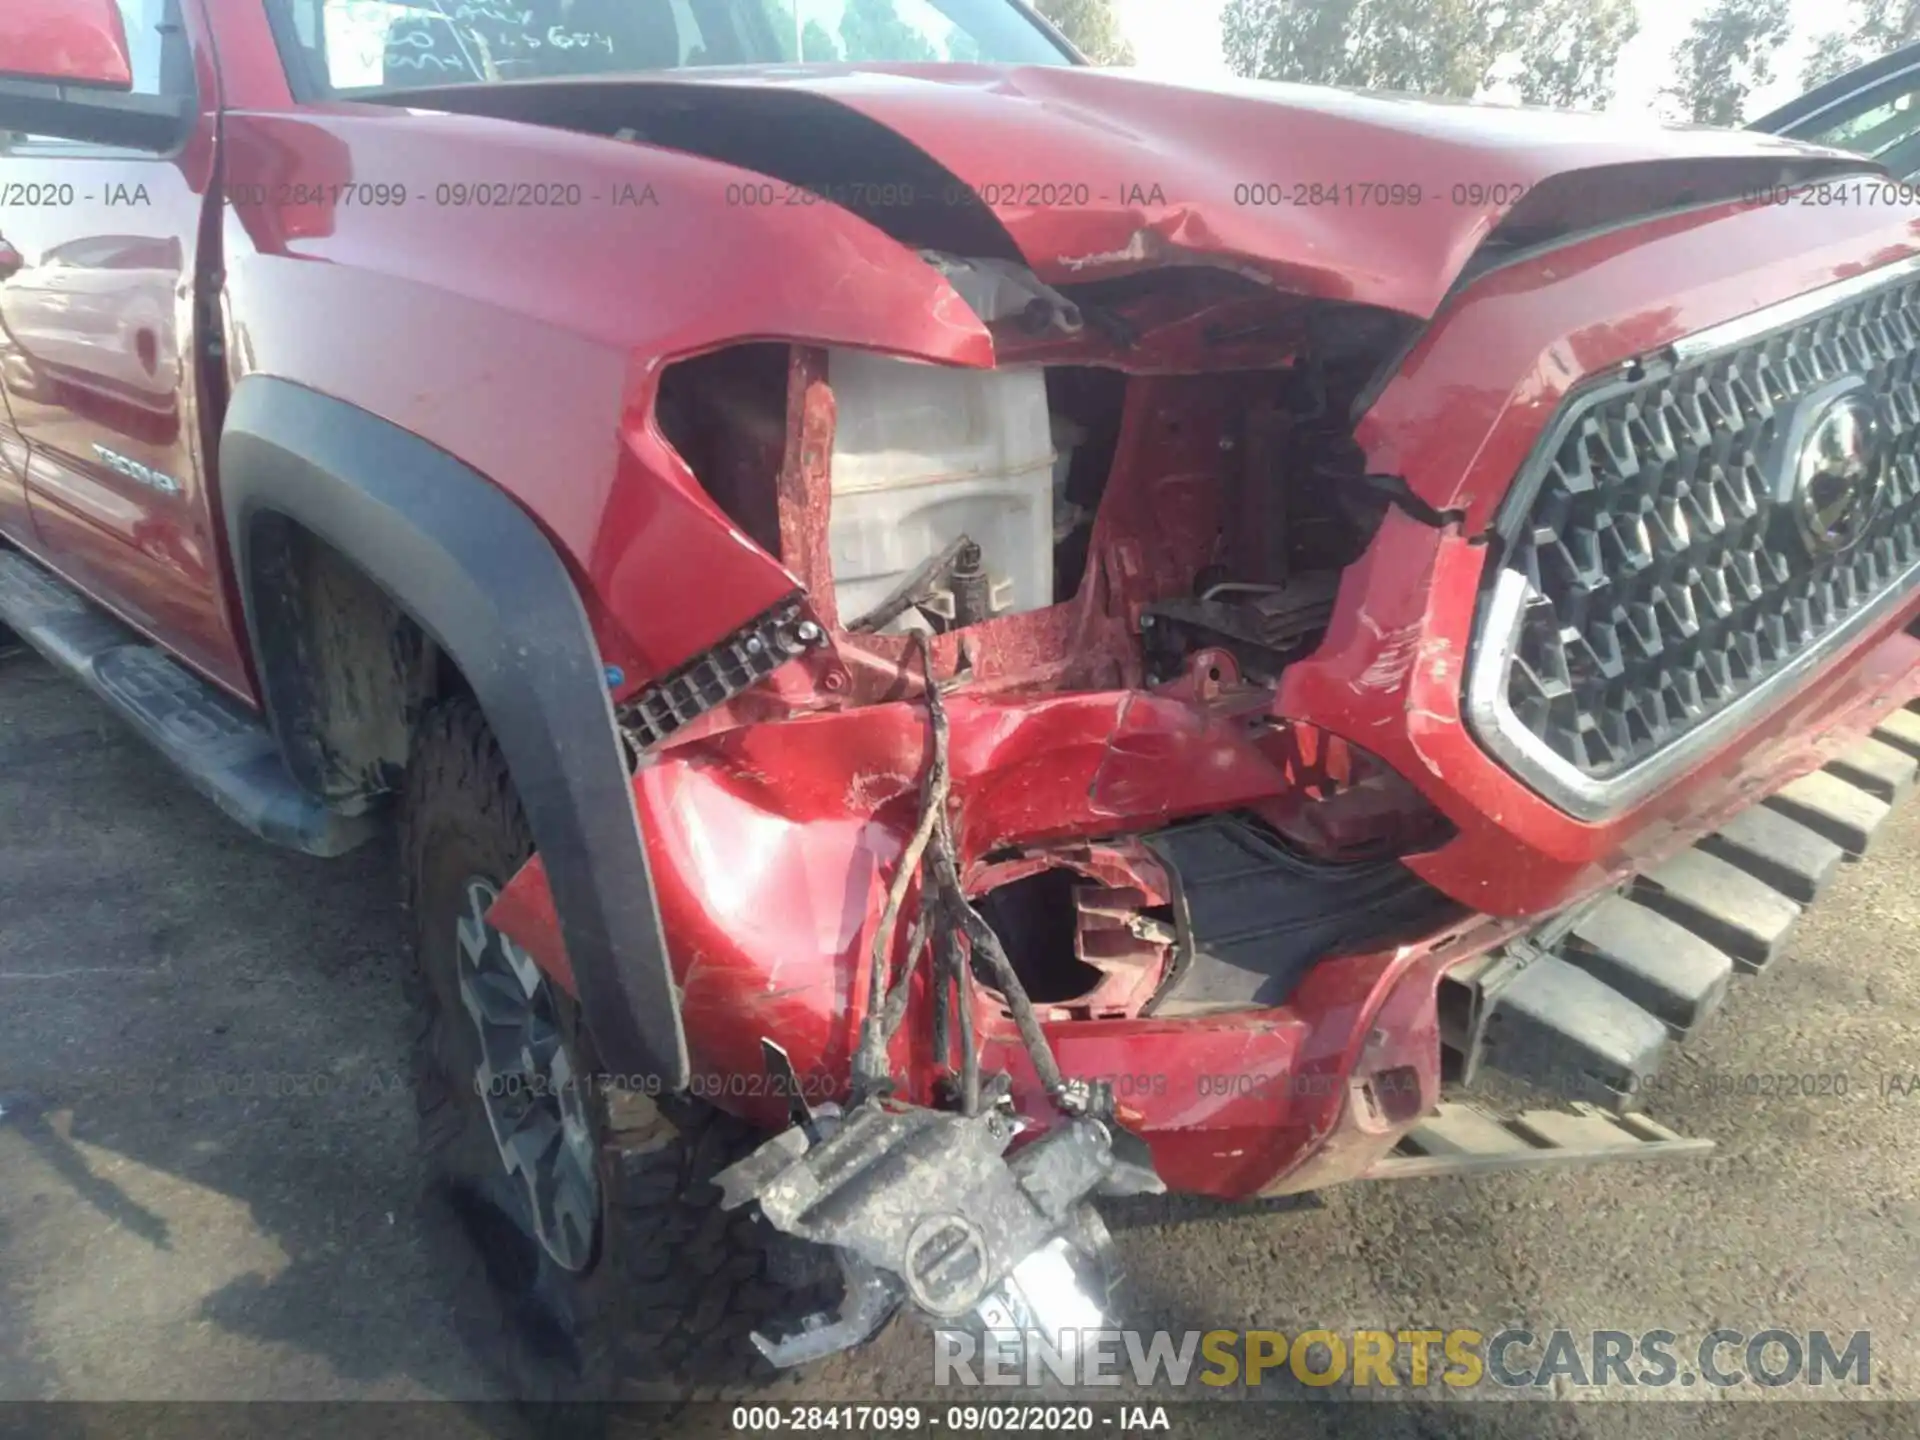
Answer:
(65, 42)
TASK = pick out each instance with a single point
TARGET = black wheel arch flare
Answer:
(464, 562)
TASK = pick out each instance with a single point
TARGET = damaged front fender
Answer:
(772, 846)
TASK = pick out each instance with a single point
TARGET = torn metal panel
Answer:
(1091, 175)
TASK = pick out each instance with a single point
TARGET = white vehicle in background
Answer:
(96, 315)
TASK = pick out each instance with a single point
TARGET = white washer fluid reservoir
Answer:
(924, 454)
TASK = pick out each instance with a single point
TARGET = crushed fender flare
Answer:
(477, 575)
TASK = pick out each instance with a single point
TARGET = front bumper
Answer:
(1330, 1087)
(1319, 1090)
(916, 1204)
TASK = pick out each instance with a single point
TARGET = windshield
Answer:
(336, 47)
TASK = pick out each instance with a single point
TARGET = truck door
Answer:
(101, 323)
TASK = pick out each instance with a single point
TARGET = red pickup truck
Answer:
(950, 634)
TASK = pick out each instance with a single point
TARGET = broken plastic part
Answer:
(917, 590)
(1002, 290)
(871, 1299)
(737, 663)
(924, 1204)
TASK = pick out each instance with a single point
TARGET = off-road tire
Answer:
(664, 1308)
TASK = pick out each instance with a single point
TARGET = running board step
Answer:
(1778, 850)
(1591, 1002)
(1843, 812)
(1552, 1023)
(1653, 960)
(1880, 769)
(1901, 730)
(1722, 903)
(1461, 1139)
(223, 749)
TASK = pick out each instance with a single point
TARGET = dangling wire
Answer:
(870, 1059)
(930, 850)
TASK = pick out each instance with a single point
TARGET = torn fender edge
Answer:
(468, 565)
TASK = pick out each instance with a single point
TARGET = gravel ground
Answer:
(170, 1229)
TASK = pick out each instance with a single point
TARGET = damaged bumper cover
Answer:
(1291, 1096)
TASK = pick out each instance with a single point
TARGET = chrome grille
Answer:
(1655, 585)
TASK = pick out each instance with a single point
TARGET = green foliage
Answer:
(816, 42)
(1727, 55)
(1877, 27)
(1833, 53)
(1443, 48)
(1569, 49)
(1092, 27)
(1556, 52)
(872, 30)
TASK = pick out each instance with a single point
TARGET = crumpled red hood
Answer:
(1112, 131)
(1166, 168)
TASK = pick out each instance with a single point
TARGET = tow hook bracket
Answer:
(1532, 1012)
(925, 1205)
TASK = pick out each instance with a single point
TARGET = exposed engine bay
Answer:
(1221, 504)
(1050, 526)
(1041, 526)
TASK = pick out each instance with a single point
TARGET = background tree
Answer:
(1832, 53)
(1877, 27)
(1559, 52)
(1570, 48)
(1092, 27)
(1440, 49)
(1727, 55)
(872, 30)
(816, 42)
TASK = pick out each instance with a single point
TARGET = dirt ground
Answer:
(207, 1189)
